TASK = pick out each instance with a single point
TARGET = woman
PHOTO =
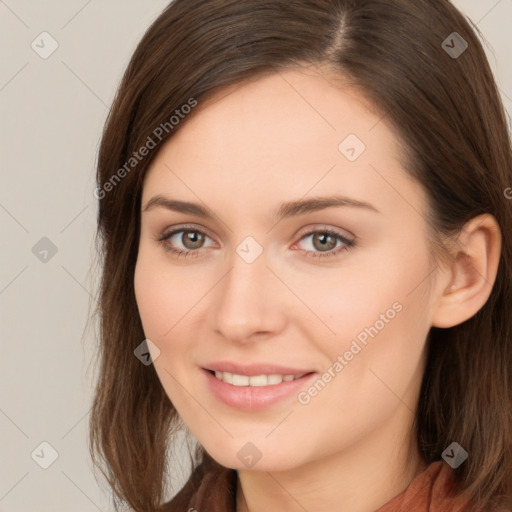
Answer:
(303, 213)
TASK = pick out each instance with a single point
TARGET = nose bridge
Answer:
(246, 299)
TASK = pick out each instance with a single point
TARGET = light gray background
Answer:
(52, 114)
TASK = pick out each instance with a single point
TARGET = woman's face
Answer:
(303, 250)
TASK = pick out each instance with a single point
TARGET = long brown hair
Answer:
(445, 106)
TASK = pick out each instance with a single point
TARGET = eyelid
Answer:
(167, 232)
(305, 231)
(314, 228)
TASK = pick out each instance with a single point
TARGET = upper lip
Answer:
(255, 368)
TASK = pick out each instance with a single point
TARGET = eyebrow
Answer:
(288, 209)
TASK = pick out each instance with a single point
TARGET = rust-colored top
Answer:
(212, 488)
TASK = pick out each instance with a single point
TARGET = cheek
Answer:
(164, 301)
(381, 321)
(378, 310)
(367, 284)
(164, 292)
(157, 302)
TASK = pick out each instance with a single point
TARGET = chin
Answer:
(248, 457)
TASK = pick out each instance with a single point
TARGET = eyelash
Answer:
(347, 244)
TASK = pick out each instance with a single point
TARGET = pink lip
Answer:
(255, 369)
(255, 398)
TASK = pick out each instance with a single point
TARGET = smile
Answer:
(255, 392)
(255, 380)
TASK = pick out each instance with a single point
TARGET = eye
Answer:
(325, 243)
(187, 240)
(184, 241)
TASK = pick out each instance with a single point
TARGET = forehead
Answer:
(284, 135)
(281, 112)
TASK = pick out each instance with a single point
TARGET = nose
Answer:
(249, 302)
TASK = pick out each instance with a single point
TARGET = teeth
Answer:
(240, 380)
(258, 380)
(255, 380)
(277, 379)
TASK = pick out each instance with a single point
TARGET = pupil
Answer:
(324, 241)
(192, 239)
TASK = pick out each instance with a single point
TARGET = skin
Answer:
(242, 153)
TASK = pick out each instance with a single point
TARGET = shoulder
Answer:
(433, 490)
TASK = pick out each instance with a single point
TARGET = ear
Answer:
(466, 283)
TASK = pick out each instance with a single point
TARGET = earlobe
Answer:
(471, 274)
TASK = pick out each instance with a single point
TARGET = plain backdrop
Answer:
(52, 112)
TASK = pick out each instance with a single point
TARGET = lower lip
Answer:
(254, 398)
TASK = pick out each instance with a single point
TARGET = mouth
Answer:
(255, 392)
(262, 380)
